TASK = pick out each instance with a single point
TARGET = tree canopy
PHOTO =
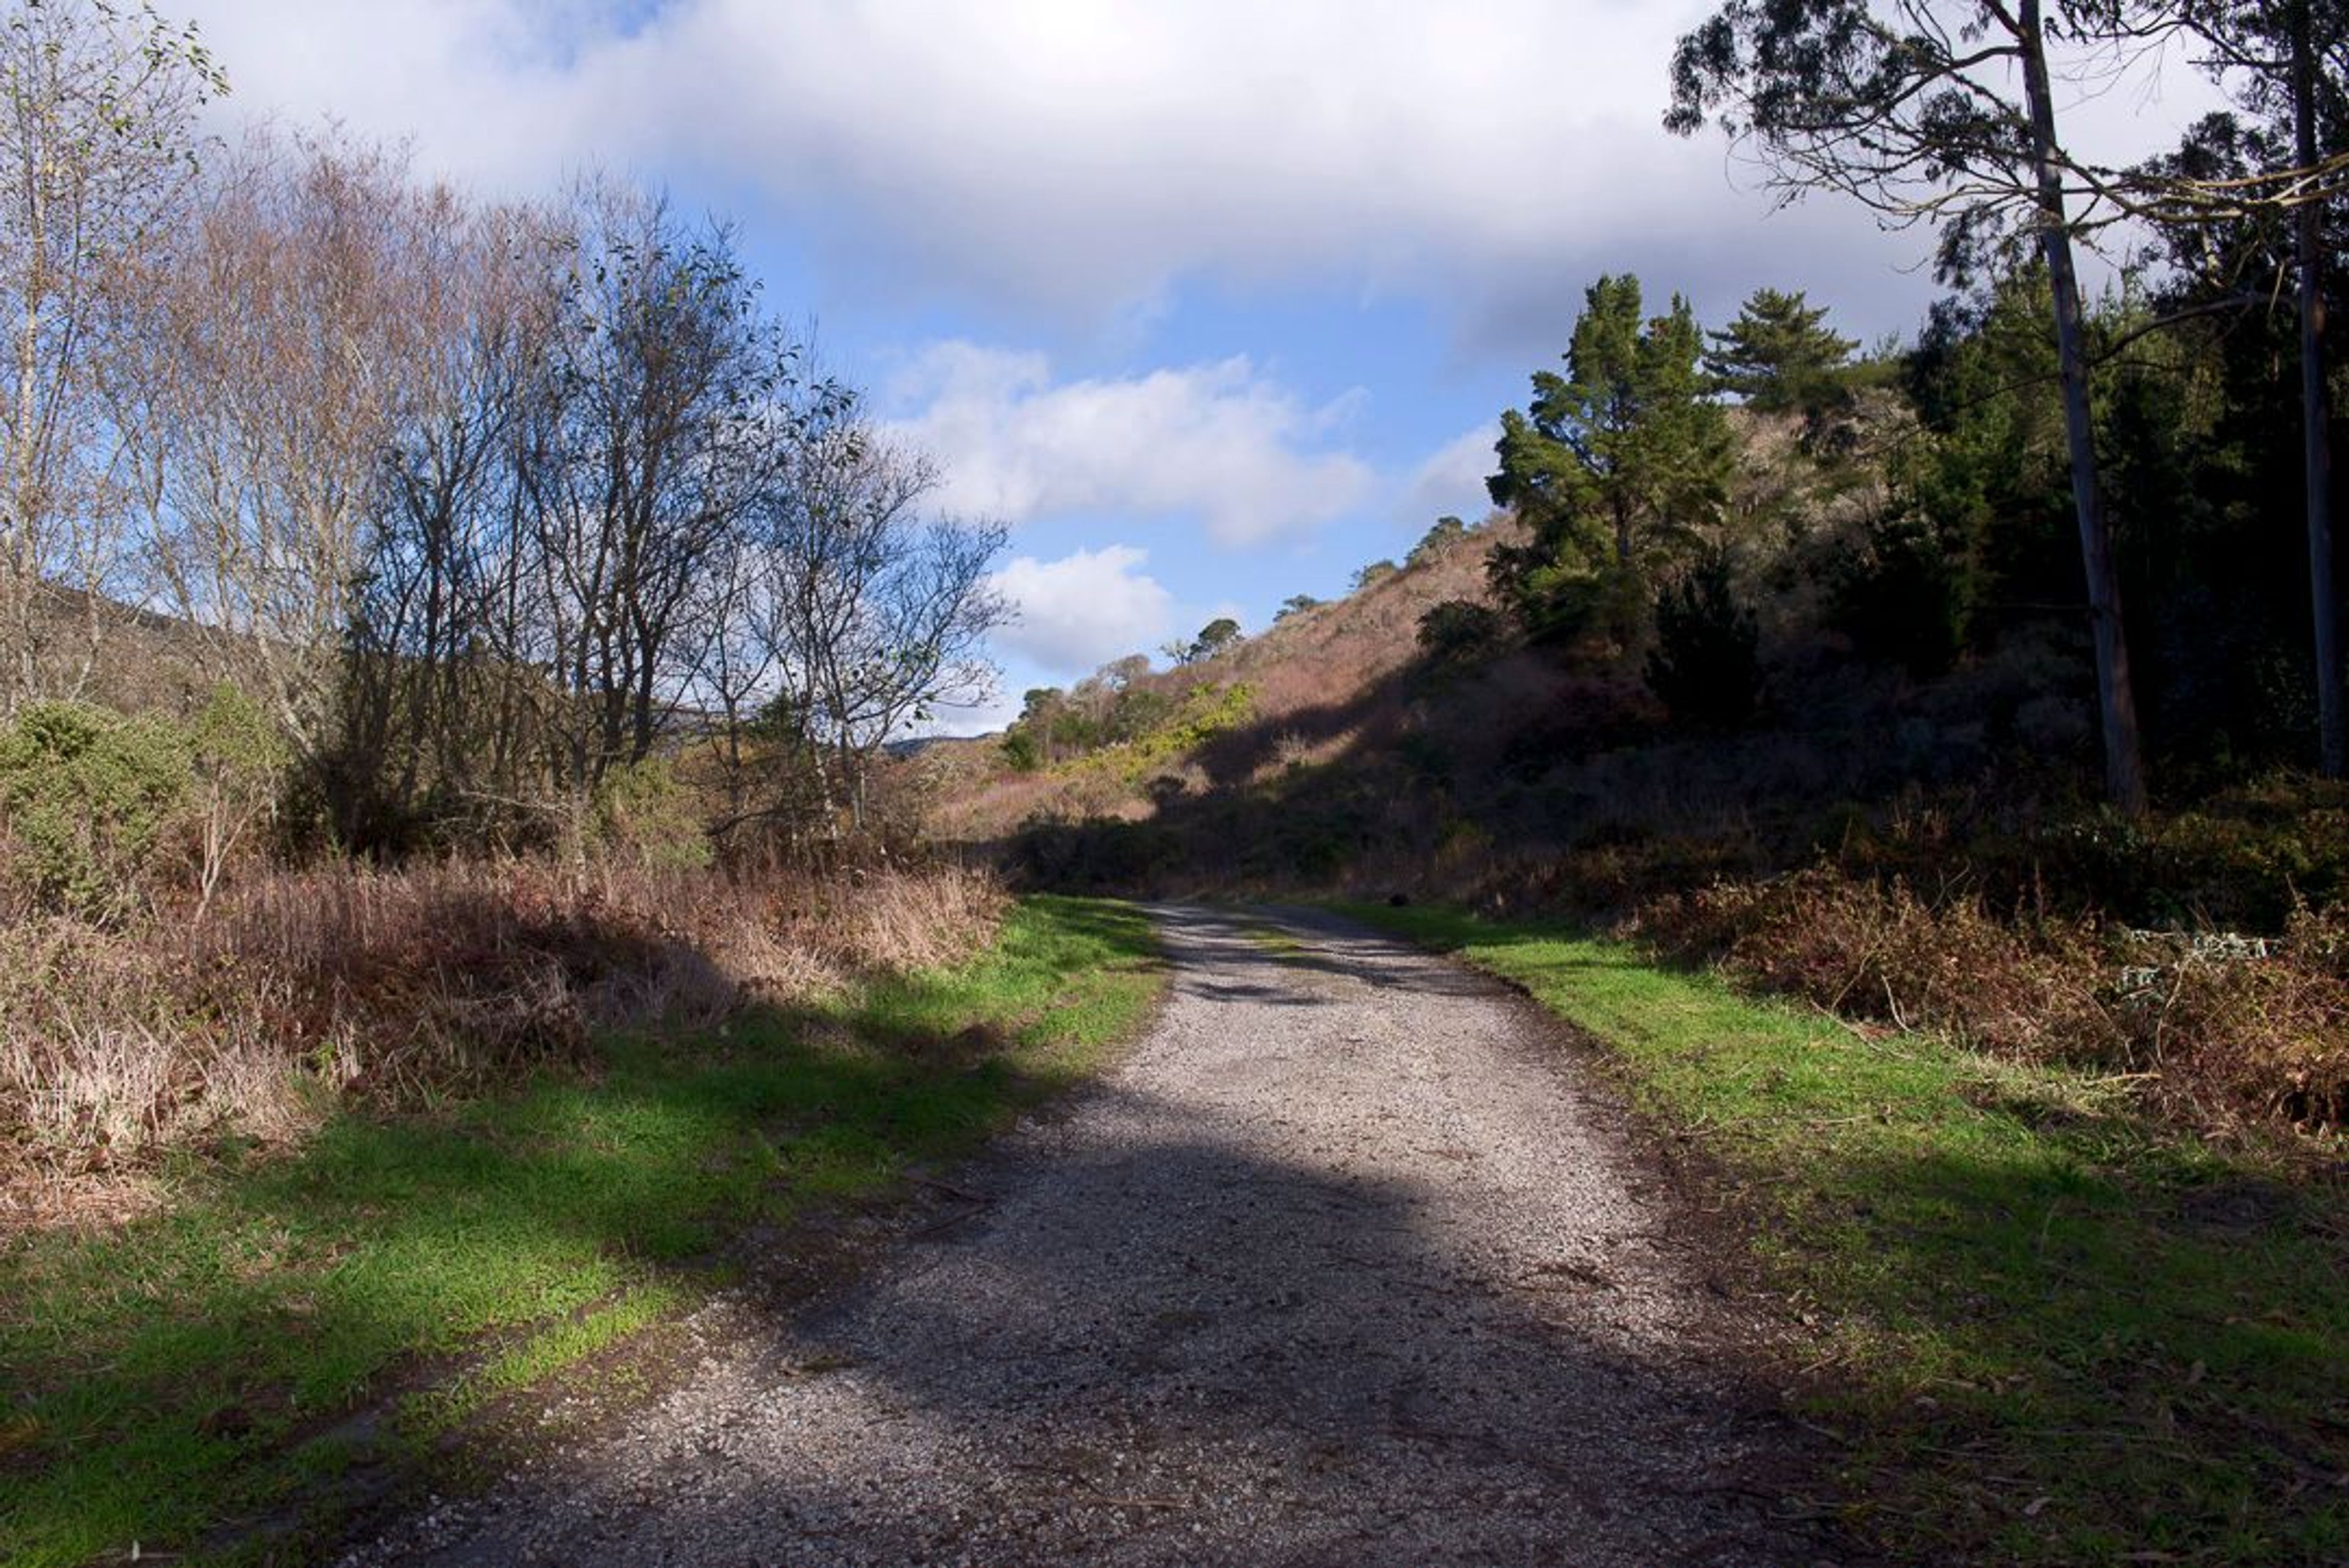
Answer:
(1617, 466)
(1216, 635)
(1778, 354)
(1906, 106)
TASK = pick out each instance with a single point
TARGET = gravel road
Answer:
(1346, 1266)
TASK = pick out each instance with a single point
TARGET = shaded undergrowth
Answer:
(2052, 1330)
(183, 1376)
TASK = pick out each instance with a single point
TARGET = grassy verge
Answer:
(190, 1372)
(2052, 1332)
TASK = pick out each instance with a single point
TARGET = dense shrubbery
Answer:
(165, 977)
(1459, 631)
(87, 798)
(2254, 1027)
(100, 812)
(307, 989)
(1901, 589)
(646, 815)
(1120, 720)
(1706, 666)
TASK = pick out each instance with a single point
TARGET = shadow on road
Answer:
(1246, 1303)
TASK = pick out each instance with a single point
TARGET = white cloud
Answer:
(1220, 443)
(1082, 611)
(1451, 481)
(1079, 158)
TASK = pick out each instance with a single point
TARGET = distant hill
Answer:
(144, 659)
(1315, 686)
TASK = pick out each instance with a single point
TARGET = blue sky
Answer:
(1210, 301)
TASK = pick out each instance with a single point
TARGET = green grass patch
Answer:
(542, 1353)
(2054, 1331)
(176, 1377)
(1205, 712)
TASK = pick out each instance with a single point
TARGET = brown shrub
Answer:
(309, 987)
(1882, 952)
(2209, 1024)
(109, 1047)
(2262, 1024)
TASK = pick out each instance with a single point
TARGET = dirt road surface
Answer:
(1347, 1264)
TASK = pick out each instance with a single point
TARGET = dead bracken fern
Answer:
(2209, 1026)
(305, 990)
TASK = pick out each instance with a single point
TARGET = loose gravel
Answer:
(1347, 1264)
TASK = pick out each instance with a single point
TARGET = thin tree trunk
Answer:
(22, 566)
(2116, 700)
(2316, 415)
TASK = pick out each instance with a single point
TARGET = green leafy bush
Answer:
(1020, 751)
(1138, 711)
(89, 797)
(1460, 630)
(1559, 599)
(238, 758)
(2247, 860)
(1125, 856)
(1904, 592)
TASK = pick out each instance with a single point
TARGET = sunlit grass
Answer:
(161, 1381)
(2054, 1332)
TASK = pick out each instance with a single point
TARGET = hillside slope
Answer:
(1317, 685)
(1337, 751)
(1907, 851)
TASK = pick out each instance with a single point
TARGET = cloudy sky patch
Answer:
(1083, 610)
(1215, 448)
(1248, 282)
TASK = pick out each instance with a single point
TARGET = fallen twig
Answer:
(948, 1188)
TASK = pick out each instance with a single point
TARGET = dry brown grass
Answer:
(1335, 655)
(1319, 682)
(2212, 1026)
(305, 990)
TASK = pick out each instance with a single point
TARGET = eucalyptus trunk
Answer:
(2116, 699)
(2316, 414)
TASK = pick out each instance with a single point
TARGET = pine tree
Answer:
(1617, 466)
(1778, 354)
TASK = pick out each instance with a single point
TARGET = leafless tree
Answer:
(666, 410)
(438, 702)
(278, 359)
(96, 166)
(884, 610)
(485, 502)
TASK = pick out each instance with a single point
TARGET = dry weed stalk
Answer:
(310, 987)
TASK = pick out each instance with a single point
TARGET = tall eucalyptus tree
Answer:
(2286, 62)
(1940, 111)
